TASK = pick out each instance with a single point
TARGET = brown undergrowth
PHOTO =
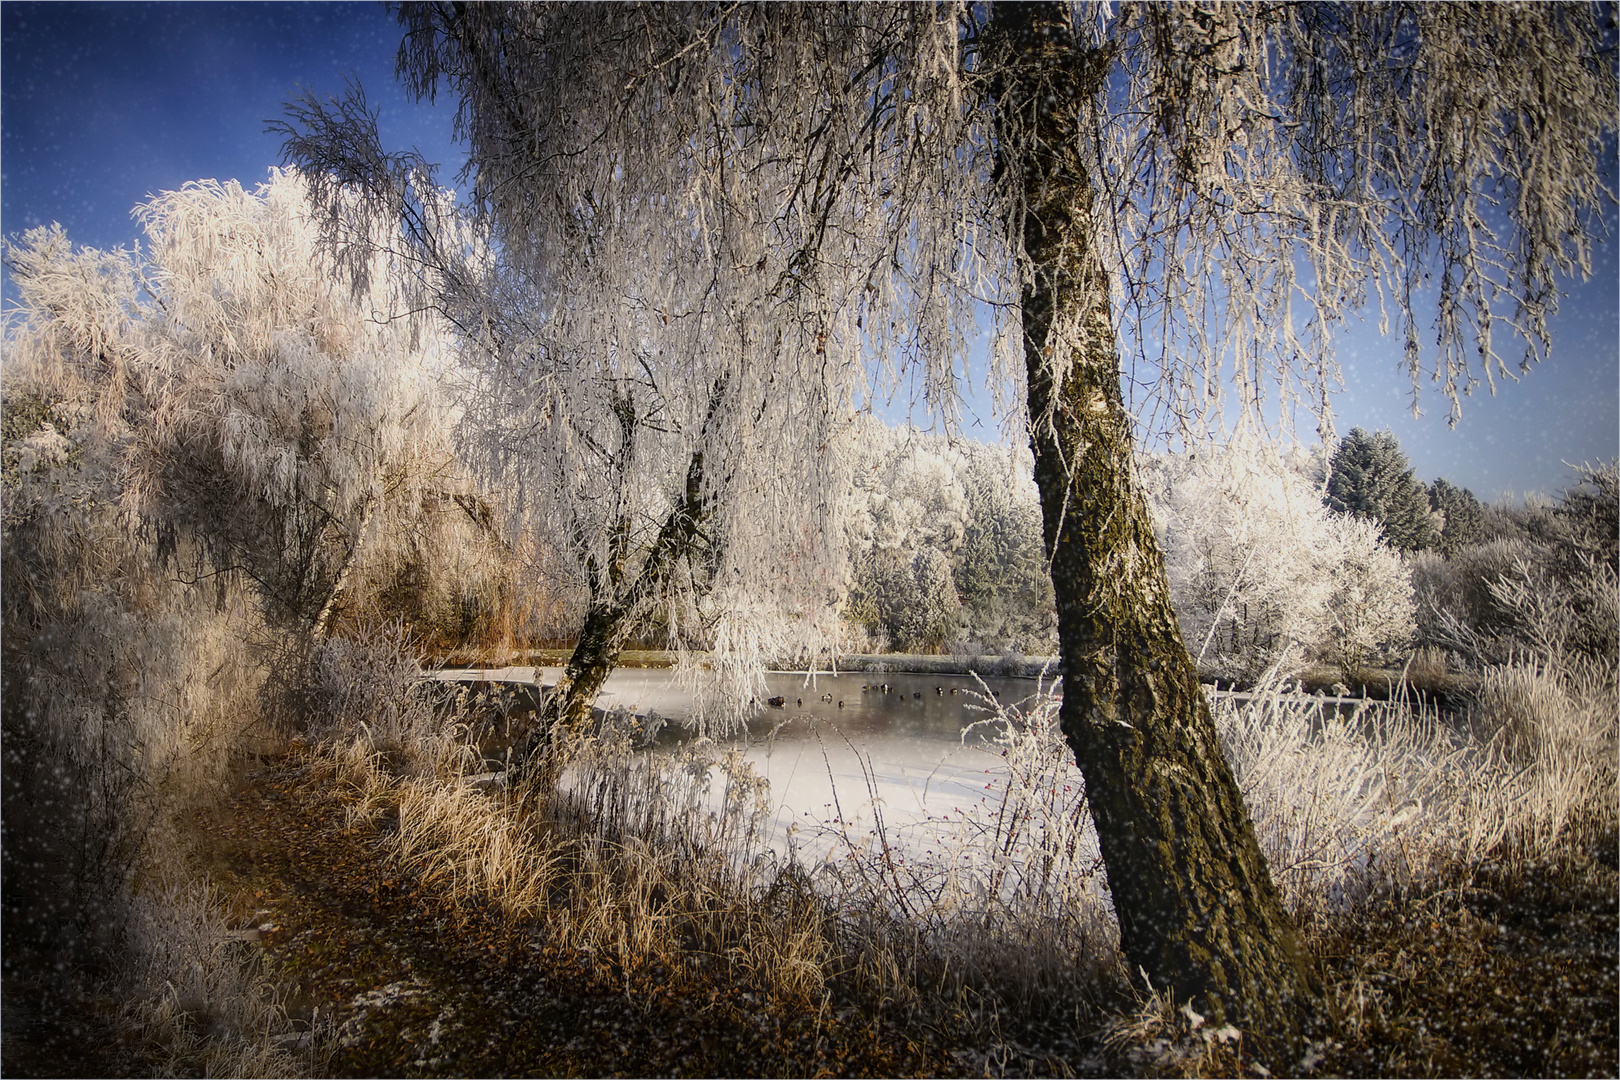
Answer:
(374, 910)
(391, 974)
(1510, 969)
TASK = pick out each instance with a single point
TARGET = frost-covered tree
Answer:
(968, 511)
(1372, 613)
(1463, 516)
(752, 203)
(218, 412)
(679, 447)
(1244, 555)
(1243, 545)
(196, 436)
(906, 600)
(905, 519)
(1261, 574)
(286, 408)
(1369, 477)
(905, 491)
(1001, 570)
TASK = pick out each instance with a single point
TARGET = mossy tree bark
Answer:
(1197, 909)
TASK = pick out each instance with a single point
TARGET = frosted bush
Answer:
(1547, 585)
(1001, 575)
(1371, 613)
(290, 408)
(906, 517)
(1455, 591)
(192, 985)
(1261, 574)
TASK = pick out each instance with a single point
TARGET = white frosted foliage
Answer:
(312, 402)
(716, 230)
(1262, 574)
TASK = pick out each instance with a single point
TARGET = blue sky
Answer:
(102, 105)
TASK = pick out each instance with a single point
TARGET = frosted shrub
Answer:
(1454, 596)
(290, 408)
(368, 685)
(1556, 615)
(1371, 614)
(1550, 587)
(1261, 574)
(444, 569)
(1001, 576)
(193, 987)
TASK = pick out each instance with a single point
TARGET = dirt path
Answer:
(397, 982)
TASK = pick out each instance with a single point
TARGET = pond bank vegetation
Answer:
(371, 911)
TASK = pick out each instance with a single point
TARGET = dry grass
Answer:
(626, 858)
(1002, 923)
(998, 930)
(196, 1000)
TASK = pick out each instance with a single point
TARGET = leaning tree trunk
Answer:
(1198, 912)
(616, 603)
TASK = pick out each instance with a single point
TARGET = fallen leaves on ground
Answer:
(394, 980)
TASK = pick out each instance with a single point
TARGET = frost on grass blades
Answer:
(996, 895)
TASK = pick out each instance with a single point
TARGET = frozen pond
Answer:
(841, 750)
(910, 752)
(847, 753)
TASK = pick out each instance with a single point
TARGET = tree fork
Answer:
(1198, 913)
(611, 611)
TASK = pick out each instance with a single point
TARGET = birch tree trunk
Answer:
(1198, 912)
(615, 603)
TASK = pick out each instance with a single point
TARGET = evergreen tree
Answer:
(1369, 478)
(1465, 516)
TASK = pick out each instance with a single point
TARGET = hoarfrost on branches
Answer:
(711, 230)
(1262, 575)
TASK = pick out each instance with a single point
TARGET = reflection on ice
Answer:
(916, 785)
(823, 774)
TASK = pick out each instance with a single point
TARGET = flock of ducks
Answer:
(881, 688)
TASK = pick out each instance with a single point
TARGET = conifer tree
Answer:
(1464, 516)
(1369, 478)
